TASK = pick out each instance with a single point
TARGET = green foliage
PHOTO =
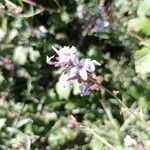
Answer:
(142, 60)
(141, 25)
(34, 105)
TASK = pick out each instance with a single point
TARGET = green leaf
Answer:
(142, 61)
(144, 8)
(140, 25)
(33, 55)
(2, 34)
(2, 122)
(20, 55)
(146, 43)
(63, 92)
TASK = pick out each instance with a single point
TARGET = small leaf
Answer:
(140, 25)
(63, 92)
(24, 122)
(33, 55)
(142, 60)
(20, 55)
(144, 8)
(2, 34)
(2, 122)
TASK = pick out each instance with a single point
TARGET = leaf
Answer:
(142, 61)
(12, 34)
(2, 122)
(2, 34)
(140, 25)
(20, 55)
(144, 8)
(146, 43)
(33, 54)
(63, 92)
(24, 122)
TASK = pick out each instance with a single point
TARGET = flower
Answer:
(80, 11)
(85, 88)
(101, 25)
(64, 56)
(128, 141)
(72, 123)
(84, 67)
(81, 70)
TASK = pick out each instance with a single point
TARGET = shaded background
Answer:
(35, 107)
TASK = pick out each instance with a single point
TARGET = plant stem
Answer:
(103, 140)
(114, 95)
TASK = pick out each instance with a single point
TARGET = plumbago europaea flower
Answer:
(74, 69)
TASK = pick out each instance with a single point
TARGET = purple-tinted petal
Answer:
(89, 66)
(50, 62)
(72, 123)
(63, 60)
(76, 62)
(84, 91)
(73, 71)
(83, 74)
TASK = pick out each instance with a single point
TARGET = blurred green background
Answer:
(35, 107)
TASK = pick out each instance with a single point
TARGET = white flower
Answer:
(128, 141)
(80, 11)
(65, 54)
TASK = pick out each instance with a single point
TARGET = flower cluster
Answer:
(74, 69)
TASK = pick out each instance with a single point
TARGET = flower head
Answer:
(84, 66)
(74, 69)
(64, 56)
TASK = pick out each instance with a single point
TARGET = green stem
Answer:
(103, 140)
(114, 95)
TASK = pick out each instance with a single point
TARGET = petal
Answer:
(73, 49)
(49, 60)
(73, 71)
(76, 62)
(84, 91)
(90, 66)
(63, 60)
(83, 74)
(55, 49)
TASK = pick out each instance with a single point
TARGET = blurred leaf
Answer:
(20, 55)
(144, 8)
(2, 122)
(142, 60)
(33, 55)
(63, 92)
(12, 34)
(2, 34)
(140, 25)
(146, 43)
(24, 122)
(143, 103)
(70, 106)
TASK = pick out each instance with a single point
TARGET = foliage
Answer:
(35, 107)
